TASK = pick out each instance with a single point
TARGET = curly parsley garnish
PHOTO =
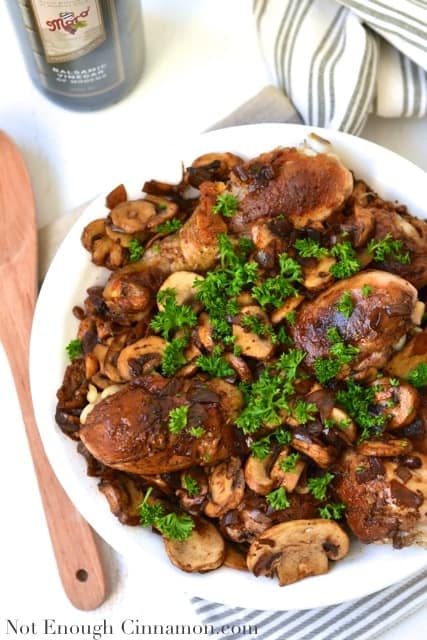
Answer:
(175, 526)
(347, 264)
(261, 448)
(288, 464)
(192, 486)
(332, 510)
(309, 248)
(74, 349)
(178, 419)
(358, 402)
(387, 248)
(215, 364)
(170, 226)
(418, 376)
(346, 304)
(173, 356)
(273, 291)
(226, 204)
(135, 249)
(278, 499)
(326, 369)
(173, 316)
(318, 486)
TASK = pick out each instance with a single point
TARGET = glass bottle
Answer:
(81, 55)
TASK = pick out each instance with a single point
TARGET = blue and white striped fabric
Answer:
(339, 60)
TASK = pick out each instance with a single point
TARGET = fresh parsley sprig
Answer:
(175, 526)
(278, 499)
(388, 248)
(173, 316)
(226, 204)
(347, 264)
(273, 291)
(74, 349)
(318, 486)
(309, 248)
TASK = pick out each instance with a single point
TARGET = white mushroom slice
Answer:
(251, 343)
(226, 488)
(182, 283)
(297, 549)
(240, 366)
(257, 474)
(289, 305)
(140, 357)
(235, 558)
(319, 276)
(132, 216)
(345, 427)
(385, 449)
(205, 332)
(203, 550)
(287, 479)
(323, 455)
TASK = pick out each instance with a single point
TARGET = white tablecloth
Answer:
(198, 56)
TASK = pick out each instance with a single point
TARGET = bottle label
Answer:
(68, 29)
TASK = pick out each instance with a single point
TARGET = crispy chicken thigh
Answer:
(377, 323)
(304, 188)
(130, 429)
(386, 501)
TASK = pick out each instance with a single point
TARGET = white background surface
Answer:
(202, 62)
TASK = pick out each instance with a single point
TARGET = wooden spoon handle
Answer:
(73, 540)
(74, 544)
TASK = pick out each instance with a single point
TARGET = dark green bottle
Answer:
(82, 55)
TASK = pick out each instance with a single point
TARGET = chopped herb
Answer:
(360, 468)
(226, 204)
(289, 362)
(273, 291)
(150, 513)
(418, 376)
(326, 369)
(261, 448)
(215, 364)
(173, 356)
(386, 248)
(255, 325)
(332, 510)
(156, 248)
(74, 349)
(289, 463)
(291, 317)
(309, 248)
(265, 399)
(278, 499)
(175, 526)
(344, 353)
(192, 486)
(135, 249)
(196, 432)
(178, 419)
(170, 226)
(395, 382)
(358, 402)
(283, 436)
(318, 486)
(346, 304)
(366, 290)
(173, 316)
(347, 264)
(302, 411)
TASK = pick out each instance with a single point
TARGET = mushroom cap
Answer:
(204, 550)
(297, 549)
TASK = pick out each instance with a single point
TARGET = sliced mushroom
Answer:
(289, 305)
(287, 479)
(385, 448)
(204, 550)
(182, 283)
(240, 366)
(297, 549)
(105, 251)
(323, 455)
(140, 357)
(116, 196)
(165, 210)
(226, 488)
(251, 344)
(343, 425)
(211, 167)
(413, 353)
(257, 474)
(398, 402)
(318, 276)
(123, 497)
(235, 557)
(204, 332)
(132, 216)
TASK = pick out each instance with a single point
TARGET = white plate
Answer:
(367, 568)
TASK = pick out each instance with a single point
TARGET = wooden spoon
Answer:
(73, 540)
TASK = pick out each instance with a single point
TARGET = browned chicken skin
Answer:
(303, 188)
(384, 499)
(378, 322)
(129, 430)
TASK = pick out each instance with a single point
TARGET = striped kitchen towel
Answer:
(362, 619)
(339, 60)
